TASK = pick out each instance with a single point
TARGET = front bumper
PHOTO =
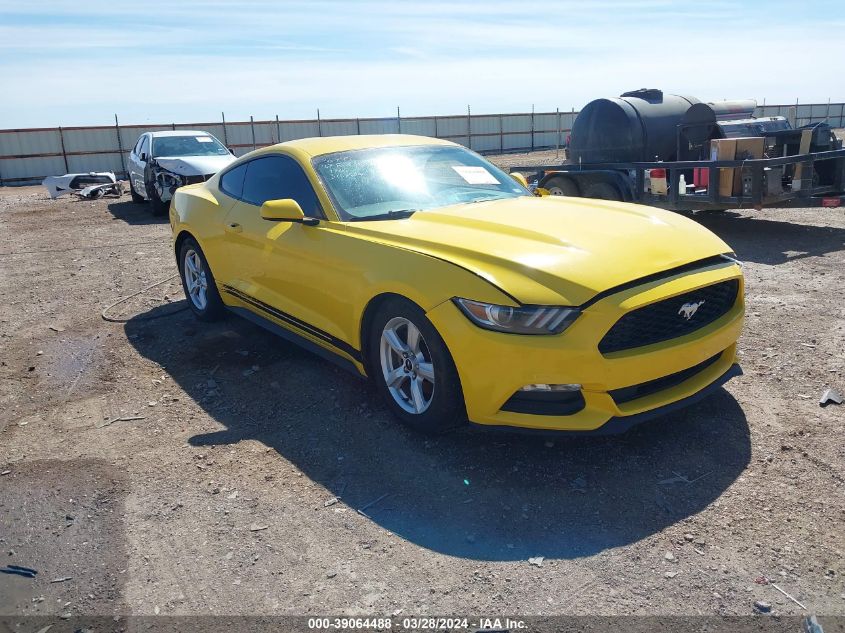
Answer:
(493, 366)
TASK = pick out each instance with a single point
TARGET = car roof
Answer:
(317, 146)
(180, 133)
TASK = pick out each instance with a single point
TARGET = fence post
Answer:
(827, 117)
(358, 125)
(173, 126)
(436, 132)
(120, 145)
(225, 136)
(252, 126)
(532, 127)
(469, 128)
(398, 120)
(501, 133)
(64, 153)
(557, 146)
(278, 130)
(319, 124)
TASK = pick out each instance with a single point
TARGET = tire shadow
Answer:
(473, 494)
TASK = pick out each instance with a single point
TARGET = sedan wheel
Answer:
(406, 365)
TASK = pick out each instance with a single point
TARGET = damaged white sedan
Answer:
(161, 162)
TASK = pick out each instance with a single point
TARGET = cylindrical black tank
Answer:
(638, 126)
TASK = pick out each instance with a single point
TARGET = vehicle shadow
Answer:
(772, 242)
(474, 494)
(135, 213)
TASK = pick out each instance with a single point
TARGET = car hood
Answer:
(551, 250)
(194, 165)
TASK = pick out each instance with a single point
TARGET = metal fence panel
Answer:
(423, 127)
(16, 170)
(95, 162)
(379, 126)
(339, 127)
(20, 143)
(452, 126)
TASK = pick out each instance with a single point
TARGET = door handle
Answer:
(234, 227)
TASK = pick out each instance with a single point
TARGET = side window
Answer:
(276, 177)
(145, 146)
(232, 182)
(137, 149)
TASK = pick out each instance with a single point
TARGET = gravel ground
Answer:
(167, 466)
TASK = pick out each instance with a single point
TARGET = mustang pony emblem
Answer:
(688, 310)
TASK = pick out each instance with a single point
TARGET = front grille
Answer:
(626, 394)
(667, 319)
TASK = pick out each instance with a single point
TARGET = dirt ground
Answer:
(166, 466)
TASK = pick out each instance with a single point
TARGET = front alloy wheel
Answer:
(406, 365)
(413, 369)
(196, 280)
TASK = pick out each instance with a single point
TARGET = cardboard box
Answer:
(749, 147)
(724, 149)
(803, 148)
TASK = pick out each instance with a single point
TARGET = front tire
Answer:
(198, 282)
(413, 369)
(137, 198)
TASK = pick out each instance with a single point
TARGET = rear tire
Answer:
(405, 350)
(602, 191)
(562, 186)
(198, 283)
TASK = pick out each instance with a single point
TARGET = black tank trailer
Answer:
(679, 153)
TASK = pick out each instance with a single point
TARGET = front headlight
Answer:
(519, 320)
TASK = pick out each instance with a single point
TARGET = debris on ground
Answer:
(256, 527)
(62, 579)
(830, 396)
(762, 606)
(537, 561)
(18, 570)
(92, 185)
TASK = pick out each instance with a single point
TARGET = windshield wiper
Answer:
(390, 215)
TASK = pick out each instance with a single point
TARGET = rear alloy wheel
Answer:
(198, 283)
(413, 369)
(560, 186)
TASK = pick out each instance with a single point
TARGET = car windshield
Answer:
(193, 145)
(393, 182)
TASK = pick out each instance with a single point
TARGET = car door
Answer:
(286, 270)
(137, 165)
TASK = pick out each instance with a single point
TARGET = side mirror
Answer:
(520, 179)
(285, 210)
(231, 150)
(143, 157)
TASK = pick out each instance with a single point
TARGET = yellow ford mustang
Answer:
(416, 262)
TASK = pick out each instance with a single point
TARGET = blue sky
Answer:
(71, 63)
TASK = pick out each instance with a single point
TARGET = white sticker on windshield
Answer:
(475, 175)
(204, 139)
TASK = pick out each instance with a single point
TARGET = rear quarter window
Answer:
(232, 182)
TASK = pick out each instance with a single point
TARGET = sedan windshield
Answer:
(393, 182)
(202, 145)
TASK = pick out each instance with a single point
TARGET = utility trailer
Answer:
(669, 151)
